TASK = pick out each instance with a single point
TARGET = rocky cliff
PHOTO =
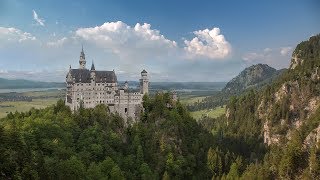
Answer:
(295, 96)
(292, 101)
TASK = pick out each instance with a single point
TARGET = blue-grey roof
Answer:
(83, 75)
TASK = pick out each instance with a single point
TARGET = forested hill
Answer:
(285, 116)
(21, 83)
(254, 76)
(54, 143)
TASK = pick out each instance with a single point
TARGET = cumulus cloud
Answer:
(284, 51)
(37, 18)
(127, 41)
(14, 35)
(57, 43)
(209, 44)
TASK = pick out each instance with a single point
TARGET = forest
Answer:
(166, 142)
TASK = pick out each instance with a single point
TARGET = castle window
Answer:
(125, 110)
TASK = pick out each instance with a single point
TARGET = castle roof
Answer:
(143, 71)
(83, 75)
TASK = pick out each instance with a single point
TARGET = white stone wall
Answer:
(92, 94)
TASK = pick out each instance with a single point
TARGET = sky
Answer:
(204, 41)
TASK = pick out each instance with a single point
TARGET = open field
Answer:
(22, 106)
(54, 93)
(210, 113)
(190, 100)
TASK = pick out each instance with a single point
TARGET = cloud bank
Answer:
(142, 40)
(127, 41)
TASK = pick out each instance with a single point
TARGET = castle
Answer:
(88, 88)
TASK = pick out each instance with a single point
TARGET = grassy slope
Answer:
(41, 99)
(213, 113)
(190, 100)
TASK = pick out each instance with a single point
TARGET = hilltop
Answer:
(254, 76)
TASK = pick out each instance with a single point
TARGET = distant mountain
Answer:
(22, 83)
(254, 76)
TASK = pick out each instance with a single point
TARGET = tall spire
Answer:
(82, 60)
(82, 53)
(92, 66)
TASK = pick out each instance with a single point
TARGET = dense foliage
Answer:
(54, 143)
(293, 158)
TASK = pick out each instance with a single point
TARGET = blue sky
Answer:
(172, 40)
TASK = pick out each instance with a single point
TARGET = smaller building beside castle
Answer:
(88, 88)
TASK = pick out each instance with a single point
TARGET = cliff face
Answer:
(292, 101)
(295, 97)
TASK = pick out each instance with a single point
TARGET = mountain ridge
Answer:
(23, 83)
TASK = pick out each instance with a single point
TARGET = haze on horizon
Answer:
(174, 41)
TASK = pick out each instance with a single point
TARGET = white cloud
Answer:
(57, 43)
(252, 56)
(37, 18)
(268, 56)
(3, 71)
(126, 41)
(208, 43)
(284, 51)
(266, 50)
(14, 35)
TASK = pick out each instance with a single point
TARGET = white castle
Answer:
(88, 88)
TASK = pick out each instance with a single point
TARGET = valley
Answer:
(159, 90)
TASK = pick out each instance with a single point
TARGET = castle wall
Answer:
(91, 88)
(127, 104)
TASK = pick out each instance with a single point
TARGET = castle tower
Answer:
(69, 78)
(126, 85)
(82, 60)
(144, 82)
(93, 73)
